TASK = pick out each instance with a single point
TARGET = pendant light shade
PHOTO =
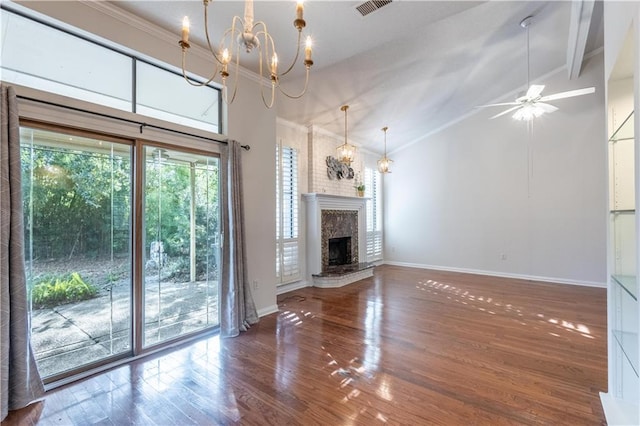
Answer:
(346, 152)
(384, 163)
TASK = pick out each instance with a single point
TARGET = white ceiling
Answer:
(415, 66)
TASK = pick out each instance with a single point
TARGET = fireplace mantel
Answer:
(335, 202)
(315, 204)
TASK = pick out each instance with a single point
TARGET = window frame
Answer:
(287, 237)
(375, 234)
(135, 58)
(92, 130)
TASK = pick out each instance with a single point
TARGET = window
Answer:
(374, 214)
(178, 101)
(74, 67)
(87, 70)
(287, 250)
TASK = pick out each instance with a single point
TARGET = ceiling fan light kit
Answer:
(528, 112)
(247, 35)
(533, 104)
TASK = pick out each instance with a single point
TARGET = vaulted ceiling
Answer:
(415, 66)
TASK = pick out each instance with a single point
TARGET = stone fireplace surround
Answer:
(345, 214)
(336, 224)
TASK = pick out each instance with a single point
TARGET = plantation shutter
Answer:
(374, 214)
(287, 250)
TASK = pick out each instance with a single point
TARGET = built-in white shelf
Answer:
(629, 283)
(621, 402)
(628, 342)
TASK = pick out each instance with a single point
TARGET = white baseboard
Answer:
(499, 274)
(267, 311)
(286, 288)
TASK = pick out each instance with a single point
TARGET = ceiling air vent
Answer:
(371, 6)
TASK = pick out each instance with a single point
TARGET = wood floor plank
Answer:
(406, 346)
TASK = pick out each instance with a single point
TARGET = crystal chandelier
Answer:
(346, 152)
(384, 163)
(247, 35)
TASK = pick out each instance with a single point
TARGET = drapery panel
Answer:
(238, 310)
(20, 382)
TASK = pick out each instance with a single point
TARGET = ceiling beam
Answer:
(580, 21)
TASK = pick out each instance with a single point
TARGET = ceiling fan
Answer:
(532, 104)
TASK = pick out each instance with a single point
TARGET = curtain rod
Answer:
(127, 120)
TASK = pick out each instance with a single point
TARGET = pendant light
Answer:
(346, 152)
(384, 163)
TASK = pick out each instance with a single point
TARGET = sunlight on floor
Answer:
(295, 319)
(465, 297)
(360, 377)
(381, 417)
(384, 390)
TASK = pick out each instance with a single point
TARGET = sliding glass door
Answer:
(85, 299)
(181, 228)
(77, 216)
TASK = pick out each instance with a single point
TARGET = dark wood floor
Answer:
(407, 346)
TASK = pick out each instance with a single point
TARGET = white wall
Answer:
(463, 198)
(618, 18)
(321, 145)
(251, 123)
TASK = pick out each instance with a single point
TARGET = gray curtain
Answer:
(20, 383)
(238, 311)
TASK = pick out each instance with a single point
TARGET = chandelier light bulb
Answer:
(307, 49)
(299, 9)
(185, 30)
(225, 57)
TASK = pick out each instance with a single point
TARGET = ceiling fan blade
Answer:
(569, 94)
(500, 104)
(546, 107)
(507, 111)
(534, 91)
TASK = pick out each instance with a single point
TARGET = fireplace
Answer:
(339, 251)
(337, 225)
(330, 217)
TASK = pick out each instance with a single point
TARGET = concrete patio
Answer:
(70, 335)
